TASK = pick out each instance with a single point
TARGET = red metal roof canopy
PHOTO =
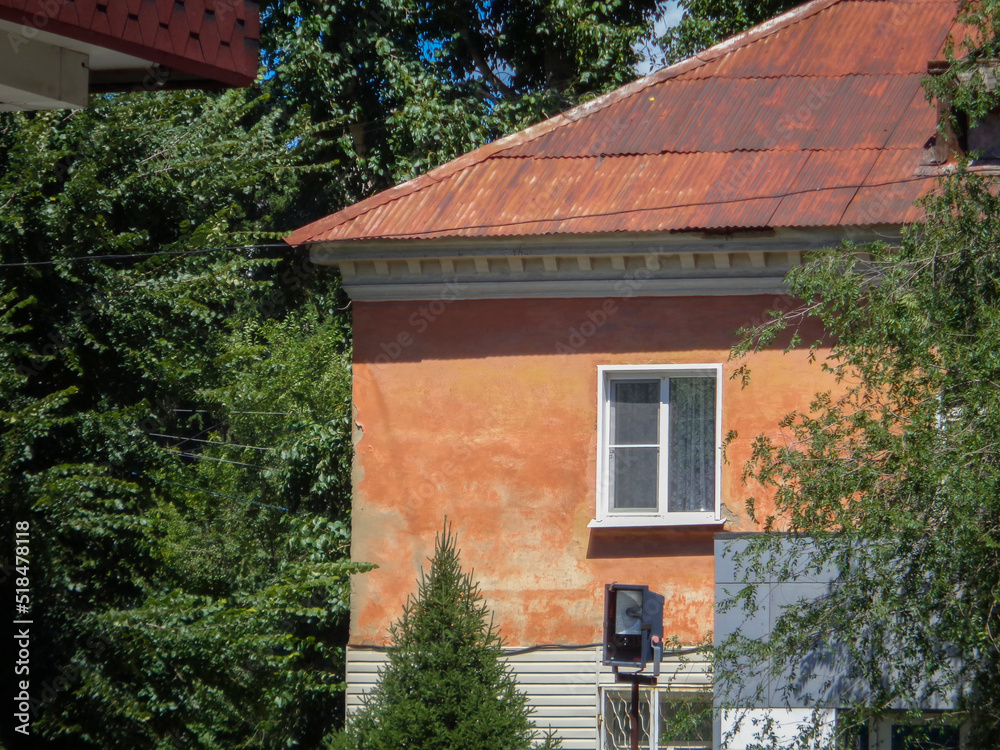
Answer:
(122, 45)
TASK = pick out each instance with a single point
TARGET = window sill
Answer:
(638, 521)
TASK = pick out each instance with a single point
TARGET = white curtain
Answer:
(691, 453)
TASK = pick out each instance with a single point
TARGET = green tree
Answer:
(446, 686)
(186, 589)
(708, 22)
(892, 476)
(409, 85)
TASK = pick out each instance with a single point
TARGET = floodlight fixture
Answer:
(633, 626)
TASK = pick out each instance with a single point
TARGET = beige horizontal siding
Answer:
(562, 685)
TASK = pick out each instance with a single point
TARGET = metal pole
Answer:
(634, 714)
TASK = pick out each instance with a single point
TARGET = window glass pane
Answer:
(685, 723)
(617, 727)
(635, 409)
(691, 456)
(634, 474)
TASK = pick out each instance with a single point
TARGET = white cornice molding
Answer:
(641, 265)
(457, 289)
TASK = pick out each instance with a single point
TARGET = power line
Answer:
(154, 254)
(684, 651)
(106, 257)
(549, 647)
(281, 430)
(466, 227)
(495, 225)
(220, 494)
(220, 460)
(209, 442)
(626, 211)
(206, 430)
(208, 411)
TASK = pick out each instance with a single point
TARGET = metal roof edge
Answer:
(309, 232)
(602, 243)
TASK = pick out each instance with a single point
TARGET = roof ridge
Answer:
(306, 234)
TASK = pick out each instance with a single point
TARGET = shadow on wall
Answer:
(689, 541)
(470, 329)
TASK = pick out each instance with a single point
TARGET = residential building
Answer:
(543, 327)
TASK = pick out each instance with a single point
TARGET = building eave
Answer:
(669, 264)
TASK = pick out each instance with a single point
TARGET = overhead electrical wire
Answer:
(220, 494)
(683, 651)
(208, 411)
(628, 211)
(208, 442)
(204, 431)
(220, 460)
(496, 225)
(149, 255)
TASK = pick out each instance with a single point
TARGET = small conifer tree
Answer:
(446, 686)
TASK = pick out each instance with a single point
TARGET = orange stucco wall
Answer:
(486, 412)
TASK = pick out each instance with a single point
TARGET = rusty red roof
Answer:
(814, 119)
(199, 40)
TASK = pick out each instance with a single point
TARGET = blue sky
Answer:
(670, 17)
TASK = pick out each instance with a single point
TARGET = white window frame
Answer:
(606, 518)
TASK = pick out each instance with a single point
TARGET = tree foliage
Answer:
(408, 85)
(708, 22)
(891, 477)
(446, 685)
(187, 590)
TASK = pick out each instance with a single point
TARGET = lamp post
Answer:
(633, 637)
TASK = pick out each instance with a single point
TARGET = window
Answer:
(682, 721)
(930, 732)
(659, 445)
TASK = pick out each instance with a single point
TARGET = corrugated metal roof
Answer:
(850, 38)
(738, 114)
(815, 119)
